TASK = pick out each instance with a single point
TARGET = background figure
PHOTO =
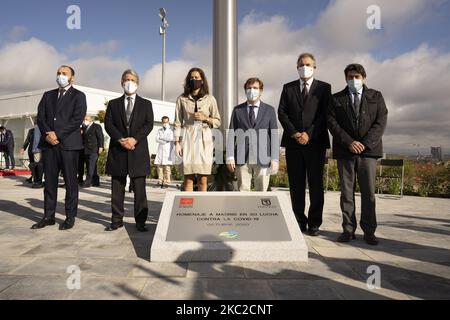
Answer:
(302, 114)
(254, 119)
(34, 156)
(60, 114)
(357, 120)
(196, 114)
(129, 121)
(165, 154)
(7, 146)
(93, 140)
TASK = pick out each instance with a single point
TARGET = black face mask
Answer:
(195, 84)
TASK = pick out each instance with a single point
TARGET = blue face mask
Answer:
(355, 85)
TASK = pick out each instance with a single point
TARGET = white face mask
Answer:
(87, 123)
(305, 72)
(166, 125)
(130, 87)
(62, 81)
(253, 94)
(355, 85)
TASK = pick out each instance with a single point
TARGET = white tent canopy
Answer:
(17, 111)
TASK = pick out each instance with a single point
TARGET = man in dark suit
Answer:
(60, 115)
(302, 113)
(253, 144)
(34, 156)
(357, 119)
(128, 121)
(7, 143)
(93, 146)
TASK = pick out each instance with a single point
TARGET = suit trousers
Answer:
(363, 170)
(140, 199)
(307, 163)
(56, 160)
(9, 157)
(164, 173)
(90, 160)
(261, 176)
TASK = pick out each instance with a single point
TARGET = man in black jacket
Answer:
(60, 115)
(7, 147)
(128, 121)
(34, 156)
(93, 140)
(302, 113)
(357, 120)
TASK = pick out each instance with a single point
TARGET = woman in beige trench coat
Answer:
(196, 115)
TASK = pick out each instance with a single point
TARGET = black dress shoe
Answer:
(29, 180)
(370, 239)
(67, 225)
(114, 226)
(86, 185)
(142, 228)
(37, 185)
(313, 232)
(346, 237)
(43, 223)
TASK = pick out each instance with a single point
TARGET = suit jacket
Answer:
(63, 116)
(295, 116)
(29, 143)
(122, 162)
(266, 120)
(8, 139)
(93, 138)
(368, 130)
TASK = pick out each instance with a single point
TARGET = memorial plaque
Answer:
(227, 226)
(219, 216)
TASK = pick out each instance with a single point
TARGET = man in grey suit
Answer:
(252, 144)
(357, 120)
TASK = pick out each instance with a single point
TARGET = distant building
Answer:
(436, 153)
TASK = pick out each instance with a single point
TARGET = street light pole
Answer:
(163, 33)
(225, 58)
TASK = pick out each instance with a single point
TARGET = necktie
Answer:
(129, 109)
(356, 104)
(305, 92)
(252, 116)
(61, 93)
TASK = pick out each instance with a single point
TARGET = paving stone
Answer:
(238, 289)
(215, 270)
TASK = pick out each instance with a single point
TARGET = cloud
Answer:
(31, 65)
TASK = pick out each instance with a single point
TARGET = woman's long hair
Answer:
(204, 90)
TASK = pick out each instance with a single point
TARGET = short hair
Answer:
(70, 68)
(165, 118)
(356, 68)
(204, 90)
(2, 128)
(131, 72)
(306, 55)
(251, 81)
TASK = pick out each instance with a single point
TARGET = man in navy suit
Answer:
(129, 121)
(253, 144)
(302, 113)
(60, 115)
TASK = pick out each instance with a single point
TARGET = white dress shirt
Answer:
(308, 84)
(133, 100)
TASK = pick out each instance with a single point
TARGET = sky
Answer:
(407, 59)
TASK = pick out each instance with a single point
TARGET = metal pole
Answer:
(225, 58)
(163, 84)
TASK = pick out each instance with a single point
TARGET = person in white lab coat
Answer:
(165, 154)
